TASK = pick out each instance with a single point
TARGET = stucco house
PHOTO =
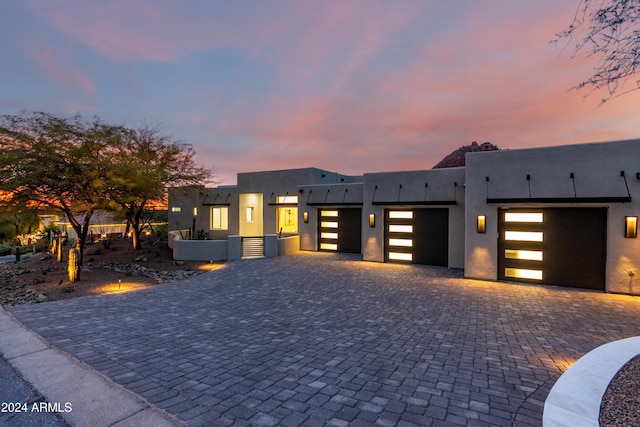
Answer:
(564, 215)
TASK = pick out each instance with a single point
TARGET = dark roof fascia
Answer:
(418, 203)
(624, 199)
(334, 204)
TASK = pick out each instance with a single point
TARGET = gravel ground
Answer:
(621, 402)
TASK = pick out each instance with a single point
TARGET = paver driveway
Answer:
(325, 339)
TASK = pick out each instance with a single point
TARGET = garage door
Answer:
(340, 230)
(419, 236)
(559, 246)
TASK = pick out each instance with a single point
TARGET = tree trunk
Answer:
(82, 231)
(136, 238)
(134, 220)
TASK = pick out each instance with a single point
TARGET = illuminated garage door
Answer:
(340, 230)
(559, 246)
(419, 236)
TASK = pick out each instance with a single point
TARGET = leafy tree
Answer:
(145, 164)
(22, 218)
(610, 30)
(58, 164)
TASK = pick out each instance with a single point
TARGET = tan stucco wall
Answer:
(335, 195)
(596, 168)
(441, 185)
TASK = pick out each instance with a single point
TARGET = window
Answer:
(249, 214)
(329, 246)
(523, 217)
(401, 214)
(524, 236)
(523, 254)
(176, 209)
(400, 256)
(287, 219)
(407, 243)
(220, 218)
(523, 273)
(286, 199)
(329, 224)
(395, 228)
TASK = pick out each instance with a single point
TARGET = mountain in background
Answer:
(457, 157)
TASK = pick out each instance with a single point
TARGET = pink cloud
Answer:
(340, 97)
(129, 29)
(479, 82)
(287, 34)
(61, 69)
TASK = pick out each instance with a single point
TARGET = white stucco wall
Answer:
(279, 183)
(216, 198)
(288, 245)
(185, 199)
(197, 250)
(596, 168)
(441, 185)
(343, 195)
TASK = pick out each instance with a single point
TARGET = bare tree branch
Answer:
(610, 31)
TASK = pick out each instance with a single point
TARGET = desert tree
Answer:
(58, 164)
(147, 162)
(610, 31)
(22, 217)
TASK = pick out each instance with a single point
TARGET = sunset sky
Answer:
(351, 86)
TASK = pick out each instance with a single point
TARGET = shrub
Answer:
(161, 230)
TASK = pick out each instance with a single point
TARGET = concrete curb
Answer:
(575, 398)
(81, 394)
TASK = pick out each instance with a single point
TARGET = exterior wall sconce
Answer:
(372, 220)
(305, 217)
(482, 224)
(630, 227)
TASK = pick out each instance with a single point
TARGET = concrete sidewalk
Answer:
(15, 390)
(82, 395)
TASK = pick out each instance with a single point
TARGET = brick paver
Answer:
(316, 339)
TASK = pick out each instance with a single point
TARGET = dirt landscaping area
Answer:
(108, 266)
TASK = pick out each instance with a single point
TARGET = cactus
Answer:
(73, 266)
(59, 249)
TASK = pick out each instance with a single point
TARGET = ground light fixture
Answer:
(482, 224)
(372, 220)
(630, 227)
